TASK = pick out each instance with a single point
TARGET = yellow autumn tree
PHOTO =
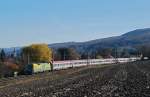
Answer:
(37, 53)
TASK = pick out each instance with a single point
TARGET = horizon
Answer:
(27, 22)
(59, 42)
(70, 41)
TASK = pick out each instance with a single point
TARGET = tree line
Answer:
(41, 53)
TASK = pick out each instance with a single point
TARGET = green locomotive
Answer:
(37, 68)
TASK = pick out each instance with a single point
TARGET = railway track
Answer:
(121, 80)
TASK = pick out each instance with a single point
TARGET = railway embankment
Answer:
(120, 80)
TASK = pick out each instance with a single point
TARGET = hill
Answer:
(128, 40)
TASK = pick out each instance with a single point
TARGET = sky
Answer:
(24, 22)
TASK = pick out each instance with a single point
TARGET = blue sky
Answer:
(23, 22)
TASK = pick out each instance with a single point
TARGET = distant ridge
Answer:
(127, 40)
(138, 32)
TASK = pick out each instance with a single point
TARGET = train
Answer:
(58, 65)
